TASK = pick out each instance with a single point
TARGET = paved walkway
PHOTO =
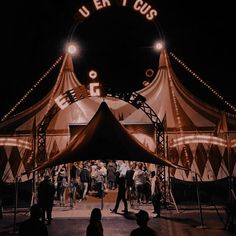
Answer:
(73, 222)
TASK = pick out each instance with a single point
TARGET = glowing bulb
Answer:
(72, 49)
(159, 46)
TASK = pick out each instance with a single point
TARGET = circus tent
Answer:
(199, 136)
(16, 133)
(104, 137)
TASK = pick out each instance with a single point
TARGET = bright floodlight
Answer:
(72, 49)
(159, 46)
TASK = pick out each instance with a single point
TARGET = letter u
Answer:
(84, 11)
(145, 8)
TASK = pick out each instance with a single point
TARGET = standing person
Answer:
(156, 194)
(103, 171)
(111, 175)
(95, 227)
(62, 184)
(139, 178)
(142, 219)
(122, 168)
(33, 226)
(99, 178)
(121, 194)
(130, 183)
(46, 191)
(72, 191)
(85, 179)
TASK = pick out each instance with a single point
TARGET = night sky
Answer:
(118, 43)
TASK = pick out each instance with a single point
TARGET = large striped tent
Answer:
(17, 132)
(200, 137)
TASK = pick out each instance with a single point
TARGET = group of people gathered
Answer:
(135, 182)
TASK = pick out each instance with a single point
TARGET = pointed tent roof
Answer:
(104, 138)
(17, 131)
(23, 121)
(169, 99)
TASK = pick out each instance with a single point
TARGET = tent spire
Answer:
(68, 63)
(164, 60)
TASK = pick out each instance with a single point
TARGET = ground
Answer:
(184, 221)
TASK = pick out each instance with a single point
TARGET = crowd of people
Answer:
(66, 186)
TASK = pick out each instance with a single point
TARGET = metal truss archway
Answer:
(78, 93)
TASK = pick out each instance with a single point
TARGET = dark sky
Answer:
(117, 42)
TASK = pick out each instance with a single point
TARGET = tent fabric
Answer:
(184, 114)
(105, 138)
(21, 125)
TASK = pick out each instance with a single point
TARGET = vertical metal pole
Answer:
(16, 203)
(199, 201)
(1, 210)
(102, 202)
(228, 158)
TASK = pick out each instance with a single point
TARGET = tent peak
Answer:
(164, 60)
(68, 63)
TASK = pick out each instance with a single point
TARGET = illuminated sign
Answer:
(71, 96)
(140, 6)
(94, 89)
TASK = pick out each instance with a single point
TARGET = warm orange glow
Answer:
(72, 49)
(15, 142)
(198, 139)
(159, 46)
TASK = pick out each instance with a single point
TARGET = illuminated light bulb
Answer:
(72, 49)
(159, 46)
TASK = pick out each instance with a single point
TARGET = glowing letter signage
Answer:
(140, 6)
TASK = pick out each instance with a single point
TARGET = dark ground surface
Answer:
(185, 222)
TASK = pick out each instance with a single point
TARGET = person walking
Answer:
(121, 195)
(142, 219)
(33, 225)
(95, 227)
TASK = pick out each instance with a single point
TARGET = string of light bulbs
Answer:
(179, 123)
(32, 88)
(203, 82)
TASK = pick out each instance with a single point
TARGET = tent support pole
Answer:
(16, 204)
(202, 226)
(102, 200)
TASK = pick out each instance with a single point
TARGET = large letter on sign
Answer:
(94, 89)
(62, 101)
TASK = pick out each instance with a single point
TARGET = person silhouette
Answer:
(46, 191)
(121, 195)
(95, 227)
(33, 226)
(142, 219)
